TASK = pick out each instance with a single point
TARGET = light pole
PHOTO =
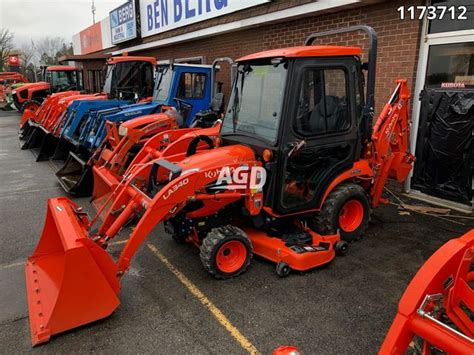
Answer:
(93, 12)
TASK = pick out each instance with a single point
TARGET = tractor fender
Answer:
(360, 170)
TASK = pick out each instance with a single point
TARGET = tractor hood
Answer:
(218, 158)
(33, 86)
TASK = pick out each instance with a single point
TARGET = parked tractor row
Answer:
(289, 171)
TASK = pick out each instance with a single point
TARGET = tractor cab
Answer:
(189, 88)
(302, 106)
(63, 78)
(129, 78)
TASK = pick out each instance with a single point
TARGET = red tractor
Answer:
(57, 78)
(291, 176)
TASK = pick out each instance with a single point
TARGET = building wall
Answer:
(398, 40)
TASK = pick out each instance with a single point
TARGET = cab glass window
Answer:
(322, 102)
(191, 86)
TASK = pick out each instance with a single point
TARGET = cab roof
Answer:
(128, 58)
(60, 68)
(304, 52)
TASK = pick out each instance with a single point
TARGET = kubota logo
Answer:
(241, 178)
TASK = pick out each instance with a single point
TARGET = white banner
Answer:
(163, 15)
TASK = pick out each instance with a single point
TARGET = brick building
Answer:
(414, 49)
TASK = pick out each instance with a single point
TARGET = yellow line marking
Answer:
(118, 242)
(8, 266)
(216, 312)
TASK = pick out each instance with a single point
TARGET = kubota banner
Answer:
(14, 60)
(163, 15)
(91, 39)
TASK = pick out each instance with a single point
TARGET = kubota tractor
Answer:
(57, 78)
(295, 162)
(184, 96)
(7, 81)
(435, 314)
(127, 78)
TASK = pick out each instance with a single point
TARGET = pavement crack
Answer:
(14, 320)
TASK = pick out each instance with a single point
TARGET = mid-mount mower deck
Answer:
(295, 161)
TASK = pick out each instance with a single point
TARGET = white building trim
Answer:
(286, 14)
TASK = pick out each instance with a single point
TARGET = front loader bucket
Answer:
(75, 176)
(70, 280)
(26, 116)
(63, 147)
(34, 138)
(25, 130)
(48, 147)
(104, 183)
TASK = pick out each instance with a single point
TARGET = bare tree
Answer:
(6, 45)
(49, 49)
(29, 60)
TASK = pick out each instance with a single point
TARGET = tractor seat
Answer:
(217, 101)
(207, 118)
(335, 117)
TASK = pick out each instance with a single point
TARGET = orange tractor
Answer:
(295, 162)
(57, 78)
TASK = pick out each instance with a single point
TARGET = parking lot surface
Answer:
(170, 304)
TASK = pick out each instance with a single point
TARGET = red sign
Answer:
(91, 39)
(14, 60)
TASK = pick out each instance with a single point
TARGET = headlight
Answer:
(122, 131)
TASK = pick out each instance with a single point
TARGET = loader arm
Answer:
(391, 157)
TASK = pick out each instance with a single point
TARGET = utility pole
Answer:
(93, 12)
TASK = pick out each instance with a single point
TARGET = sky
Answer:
(33, 19)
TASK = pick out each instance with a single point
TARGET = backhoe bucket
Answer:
(70, 280)
(48, 147)
(75, 176)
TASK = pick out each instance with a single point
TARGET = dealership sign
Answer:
(163, 15)
(123, 25)
(91, 39)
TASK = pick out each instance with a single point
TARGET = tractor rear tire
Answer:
(346, 210)
(31, 105)
(226, 252)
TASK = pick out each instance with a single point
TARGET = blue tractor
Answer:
(188, 88)
(127, 79)
(191, 90)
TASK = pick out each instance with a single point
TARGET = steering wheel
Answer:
(194, 144)
(181, 104)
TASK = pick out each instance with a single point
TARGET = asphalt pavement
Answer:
(170, 304)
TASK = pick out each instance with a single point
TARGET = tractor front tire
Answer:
(346, 210)
(31, 105)
(226, 252)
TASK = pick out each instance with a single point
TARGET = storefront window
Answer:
(446, 23)
(451, 66)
